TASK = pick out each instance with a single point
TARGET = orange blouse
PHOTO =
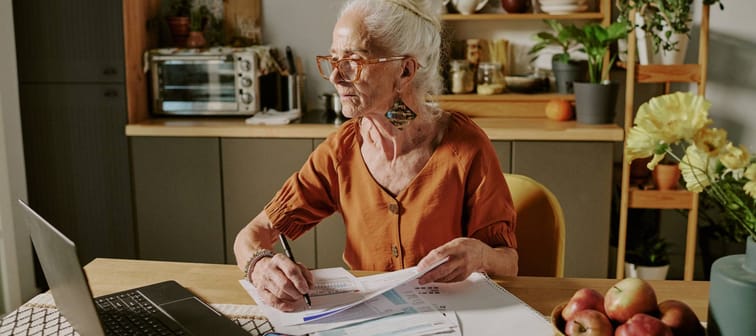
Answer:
(461, 192)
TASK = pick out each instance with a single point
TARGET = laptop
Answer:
(164, 308)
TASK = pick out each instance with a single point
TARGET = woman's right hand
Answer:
(281, 282)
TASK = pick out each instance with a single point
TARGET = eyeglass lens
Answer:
(347, 68)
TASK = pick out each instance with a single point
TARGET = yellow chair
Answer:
(540, 227)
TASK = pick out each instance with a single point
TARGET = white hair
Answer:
(406, 27)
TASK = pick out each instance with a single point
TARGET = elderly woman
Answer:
(413, 183)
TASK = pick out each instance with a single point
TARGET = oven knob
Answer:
(246, 82)
(246, 98)
(245, 65)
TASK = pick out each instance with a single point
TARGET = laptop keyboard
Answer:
(130, 313)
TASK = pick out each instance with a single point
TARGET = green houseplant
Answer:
(648, 260)
(666, 22)
(595, 100)
(196, 37)
(178, 21)
(566, 70)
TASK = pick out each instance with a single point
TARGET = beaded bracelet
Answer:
(259, 254)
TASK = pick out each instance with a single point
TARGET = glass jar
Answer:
(461, 77)
(490, 79)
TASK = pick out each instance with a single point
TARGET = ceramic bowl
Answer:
(526, 83)
(557, 322)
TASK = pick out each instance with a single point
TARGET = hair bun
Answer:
(422, 8)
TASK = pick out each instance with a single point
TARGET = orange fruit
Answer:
(559, 109)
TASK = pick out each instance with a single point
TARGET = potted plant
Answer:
(666, 175)
(649, 260)
(565, 69)
(178, 21)
(665, 24)
(196, 37)
(595, 100)
(723, 171)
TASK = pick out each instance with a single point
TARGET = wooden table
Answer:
(217, 283)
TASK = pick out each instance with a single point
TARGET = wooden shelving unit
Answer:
(527, 16)
(632, 197)
(515, 105)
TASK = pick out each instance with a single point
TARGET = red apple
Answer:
(589, 322)
(643, 325)
(681, 318)
(584, 298)
(628, 297)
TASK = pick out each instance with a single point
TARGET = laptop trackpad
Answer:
(199, 319)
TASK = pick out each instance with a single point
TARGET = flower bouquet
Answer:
(710, 163)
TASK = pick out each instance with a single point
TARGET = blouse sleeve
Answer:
(491, 213)
(309, 195)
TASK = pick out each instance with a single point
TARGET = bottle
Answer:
(461, 77)
(490, 79)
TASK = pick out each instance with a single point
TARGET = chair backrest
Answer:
(540, 227)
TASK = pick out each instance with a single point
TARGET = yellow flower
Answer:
(640, 144)
(674, 117)
(735, 157)
(750, 172)
(697, 169)
(750, 187)
(710, 140)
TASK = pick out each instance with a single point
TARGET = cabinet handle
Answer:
(109, 71)
(111, 93)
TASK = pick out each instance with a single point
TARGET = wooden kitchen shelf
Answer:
(660, 199)
(659, 73)
(506, 105)
(505, 97)
(525, 16)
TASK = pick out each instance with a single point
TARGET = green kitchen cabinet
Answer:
(254, 169)
(504, 153)
(177, 198)
(580, 176)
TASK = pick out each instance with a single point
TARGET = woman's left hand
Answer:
(466, 255)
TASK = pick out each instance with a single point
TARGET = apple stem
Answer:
(617, 288)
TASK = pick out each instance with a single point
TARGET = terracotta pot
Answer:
(196, 40)
(639, 173)
(179, 27)
(667, 176)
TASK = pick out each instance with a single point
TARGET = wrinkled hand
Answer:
(466, 255)
(281, 282)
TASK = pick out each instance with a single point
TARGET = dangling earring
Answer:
(400, 114)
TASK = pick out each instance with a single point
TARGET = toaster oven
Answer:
(217, 81)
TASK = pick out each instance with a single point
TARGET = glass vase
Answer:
(732, 294)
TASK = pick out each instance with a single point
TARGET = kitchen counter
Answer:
(496, 128)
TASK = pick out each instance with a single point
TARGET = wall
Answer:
(16, 272)
(732, 70)
(305, 26)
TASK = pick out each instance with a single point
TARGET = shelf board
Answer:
(660, 199)
(660, 73)
(525, 16)
(505, 97)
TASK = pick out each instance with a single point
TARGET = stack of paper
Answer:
(395, 304)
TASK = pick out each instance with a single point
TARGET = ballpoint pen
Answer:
(287, 249)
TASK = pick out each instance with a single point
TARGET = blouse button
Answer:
(395, 251)
(393, 208)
